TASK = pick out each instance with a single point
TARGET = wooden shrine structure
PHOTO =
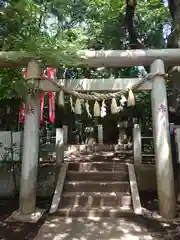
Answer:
(154, 58)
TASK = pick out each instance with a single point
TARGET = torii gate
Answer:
(155, 58)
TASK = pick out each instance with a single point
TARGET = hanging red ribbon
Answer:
(42, 105)
(22, 113)
(51, 101)
(22, 109)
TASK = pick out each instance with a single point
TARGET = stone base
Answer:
(158, 217)
(178, 198)
(16, 216)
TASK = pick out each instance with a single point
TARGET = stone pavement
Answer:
(134, 228)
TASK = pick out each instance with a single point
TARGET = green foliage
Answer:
(67, 26)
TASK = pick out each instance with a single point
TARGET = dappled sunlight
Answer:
(99, 228)
(95, 152)
(16, 230)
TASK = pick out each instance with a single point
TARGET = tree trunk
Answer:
(174, 42)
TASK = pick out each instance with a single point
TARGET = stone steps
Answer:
(97, 176)
(96, 188)
(88, 199)
(95, 212)
(97, 166)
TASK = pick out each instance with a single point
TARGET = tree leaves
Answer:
(41, 26)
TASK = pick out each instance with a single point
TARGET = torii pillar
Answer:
(27, 211)
(162, 145)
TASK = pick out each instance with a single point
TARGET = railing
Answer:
(174, 137)
(10, 146)
(144, 152)
(177, 139)
(142, 155)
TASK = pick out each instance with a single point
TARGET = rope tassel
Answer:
(103, 109)
(97, 110)
(71, 103)
(78, 109)
(61, 98)
(87, 109)
(123, 100)
(131, 99)
(114, 107)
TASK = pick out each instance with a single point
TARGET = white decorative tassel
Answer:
(71, 102)
(120, 108)
(78, 109)
(123, 100)
(97, 111)
(114, 107)
(61, 98)
(103, 109)
(87, 109)
(131, 99)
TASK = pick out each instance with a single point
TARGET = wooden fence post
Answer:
(59, 146)
(100, 134)
(177, 137)
(65, 130)
(137, 144)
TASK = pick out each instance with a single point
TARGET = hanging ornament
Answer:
(97, 111)
(120, 108)
(87, 109)
(51, 106)
(123, 100)
(51, 98)
(71, 103)
(61, 98)
(42, 108)
(78, 109)
(114, 107)
(22, 113)
(131, 99)
(103, 109)
(42, 103)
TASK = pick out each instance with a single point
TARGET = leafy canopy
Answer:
(40, 26)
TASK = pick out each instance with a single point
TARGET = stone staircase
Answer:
(99, 187)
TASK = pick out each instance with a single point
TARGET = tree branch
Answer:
(135, 42)
(172, 8)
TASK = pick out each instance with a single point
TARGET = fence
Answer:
(143, 147)
(11, 145)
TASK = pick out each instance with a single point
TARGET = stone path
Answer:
(56, 228)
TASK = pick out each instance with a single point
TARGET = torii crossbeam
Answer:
(110, 58)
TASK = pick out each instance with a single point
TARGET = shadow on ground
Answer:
(17, 230)
(54, 228)
(131, 228)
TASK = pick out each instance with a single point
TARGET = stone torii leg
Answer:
(162, 145)
(27, 210)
